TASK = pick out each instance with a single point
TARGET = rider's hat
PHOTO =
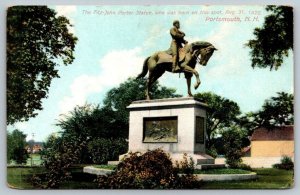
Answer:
(175, 21)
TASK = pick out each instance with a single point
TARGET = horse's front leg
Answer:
(193, 71)
(188, 82)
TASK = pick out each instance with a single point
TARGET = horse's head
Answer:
(206, 53)
(205, 49)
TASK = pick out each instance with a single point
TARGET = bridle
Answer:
(196, 55)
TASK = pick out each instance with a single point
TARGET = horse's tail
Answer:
(145, 69)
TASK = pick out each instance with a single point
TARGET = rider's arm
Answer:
(177, 34)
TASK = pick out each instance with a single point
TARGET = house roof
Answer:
(278, 133)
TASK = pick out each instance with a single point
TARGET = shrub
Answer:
(285, 163)
(245, 167)
(185, 166)
(151, 170)
(102, 150)
(212, 152)
(233, 146)
(58, 163)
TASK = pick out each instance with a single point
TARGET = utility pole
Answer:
(32, 149)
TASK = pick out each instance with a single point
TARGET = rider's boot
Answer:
(175, 67)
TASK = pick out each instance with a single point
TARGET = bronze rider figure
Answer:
(177, 41)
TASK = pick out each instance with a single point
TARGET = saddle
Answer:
(166, 56)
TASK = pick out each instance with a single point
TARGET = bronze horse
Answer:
(161, 61)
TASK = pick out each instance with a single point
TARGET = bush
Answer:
(185, 166)
(151, 170)
(212, 152)
(58, 163)
(245, 167)
(102, 150)
(233, 146)
(285, 163)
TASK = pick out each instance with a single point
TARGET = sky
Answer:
(113, 42)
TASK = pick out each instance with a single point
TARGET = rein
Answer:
(197, 56)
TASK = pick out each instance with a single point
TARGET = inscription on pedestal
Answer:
(160, 129)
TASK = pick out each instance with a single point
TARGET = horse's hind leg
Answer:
(155, 74)
(188, 78)
(148, 85)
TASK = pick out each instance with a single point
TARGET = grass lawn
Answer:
(222, 171)
(18, 177)
(267, 179)
(110, 167)
(35, 159)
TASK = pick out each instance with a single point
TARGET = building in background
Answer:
(277, 142)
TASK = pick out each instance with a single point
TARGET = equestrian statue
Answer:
(177, 59)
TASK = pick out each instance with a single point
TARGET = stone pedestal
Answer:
(176, 125)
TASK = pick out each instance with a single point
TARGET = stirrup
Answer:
(176, 70)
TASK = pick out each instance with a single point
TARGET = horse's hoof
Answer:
(197, 85)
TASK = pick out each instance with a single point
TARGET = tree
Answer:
(58, 162)
(107, 124)
(221, 113)
(118, 98)
(16, 142)
(233, 145)
(273, 41)
(275, 112)
(37, 42)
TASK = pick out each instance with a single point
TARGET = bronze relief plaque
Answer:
(160, 129)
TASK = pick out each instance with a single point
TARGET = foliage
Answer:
(274, 39)
(37, 40)
(91, 121)
(52, 142)
(58, 162)
(222, 113)
(245, 167)
(285, 163)
(118, 98)
(233, 146)
(212, 151)
(186, 166)
(106, 138)
(276, 111)
(151, 170)
(16, 142)
(102, 150)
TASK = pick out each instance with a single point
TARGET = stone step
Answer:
(113, 162)
(210, 166)
(205, 161)
(96, 171)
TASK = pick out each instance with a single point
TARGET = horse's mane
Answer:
(200, 44)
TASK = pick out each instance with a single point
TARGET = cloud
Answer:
(230, 57)
(115, 67)
(156, 33)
